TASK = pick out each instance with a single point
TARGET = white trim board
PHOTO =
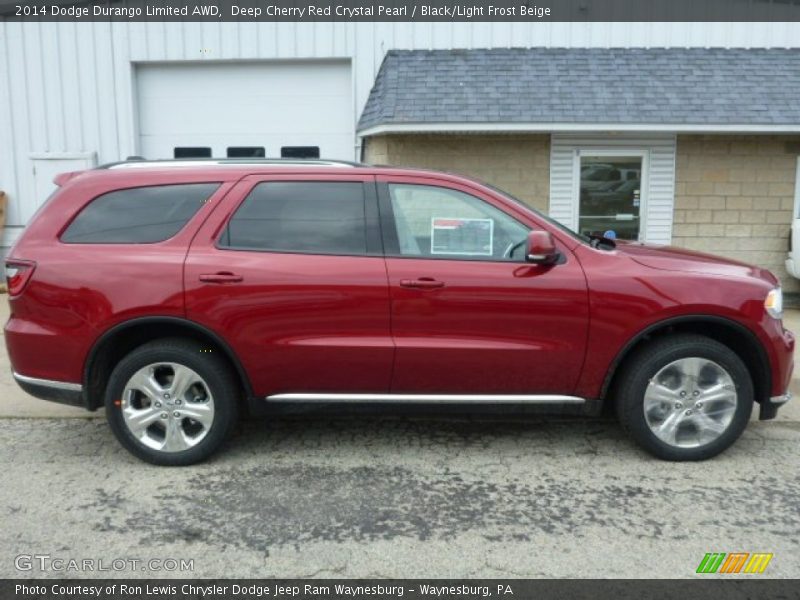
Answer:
(796, 214)
(575, 128)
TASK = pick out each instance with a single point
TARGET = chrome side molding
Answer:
(432, 398)
(49, 383)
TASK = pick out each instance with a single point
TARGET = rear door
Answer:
(469, 315)
(289, 270)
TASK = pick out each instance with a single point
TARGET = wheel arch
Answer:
(123, 337)
(733, 334)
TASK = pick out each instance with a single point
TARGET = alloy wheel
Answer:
(167, 407)
(690, 402)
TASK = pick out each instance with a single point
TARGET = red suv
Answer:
(181, 294)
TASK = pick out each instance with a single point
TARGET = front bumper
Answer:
(769, 408)
(782, 343)
(55, 391)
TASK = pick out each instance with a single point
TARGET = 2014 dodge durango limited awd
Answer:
(179, 295)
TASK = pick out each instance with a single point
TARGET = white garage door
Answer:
(246, 109)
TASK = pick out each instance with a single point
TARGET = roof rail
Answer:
(138, 162)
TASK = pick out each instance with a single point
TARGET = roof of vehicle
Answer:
(230, 169)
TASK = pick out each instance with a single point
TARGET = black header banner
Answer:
(733, 588)
(513, 11)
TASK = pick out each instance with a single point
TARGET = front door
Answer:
(611, 199)
(290, 272)
(469, 315)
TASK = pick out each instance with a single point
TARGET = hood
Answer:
(669, 258)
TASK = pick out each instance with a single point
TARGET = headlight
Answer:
(774, 303)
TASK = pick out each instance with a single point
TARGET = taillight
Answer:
(18, 273)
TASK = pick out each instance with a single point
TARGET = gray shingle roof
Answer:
(587, 85)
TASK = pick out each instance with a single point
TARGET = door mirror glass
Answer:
(541, 248)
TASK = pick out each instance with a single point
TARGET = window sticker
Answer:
(463, 237)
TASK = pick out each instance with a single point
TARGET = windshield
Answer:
(581, 238)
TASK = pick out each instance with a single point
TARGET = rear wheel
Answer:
(171, 402)
(685, 397)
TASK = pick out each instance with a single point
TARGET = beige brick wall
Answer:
(734, 197)
(518, 164)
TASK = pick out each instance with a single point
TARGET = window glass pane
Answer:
(300, 152)
(445, 223)
(246, 152)
(610, 196)
(138, 215)
(193, 152)
(317, 217)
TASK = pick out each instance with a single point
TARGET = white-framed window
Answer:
(614, 184)
(611, 187)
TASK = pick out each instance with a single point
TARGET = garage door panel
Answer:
(266, 112)
(267, 104)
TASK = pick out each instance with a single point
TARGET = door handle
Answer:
(221, 277)
(423, 283)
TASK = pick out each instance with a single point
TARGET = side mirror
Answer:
(541, 248)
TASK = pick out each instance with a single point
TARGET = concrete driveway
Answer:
(393, 495)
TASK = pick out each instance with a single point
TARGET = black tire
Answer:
(216, 376)
(633, 380)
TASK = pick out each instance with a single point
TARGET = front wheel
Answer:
(171, 402)
(685, 397)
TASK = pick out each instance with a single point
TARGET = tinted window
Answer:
(138, 215)
(315, 217)
(192, 152)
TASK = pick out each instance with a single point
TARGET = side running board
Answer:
(431, 398)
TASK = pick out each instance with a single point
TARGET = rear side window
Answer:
(315, 217)
(139, 215)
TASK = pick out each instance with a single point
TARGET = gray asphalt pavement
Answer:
(399, 496)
